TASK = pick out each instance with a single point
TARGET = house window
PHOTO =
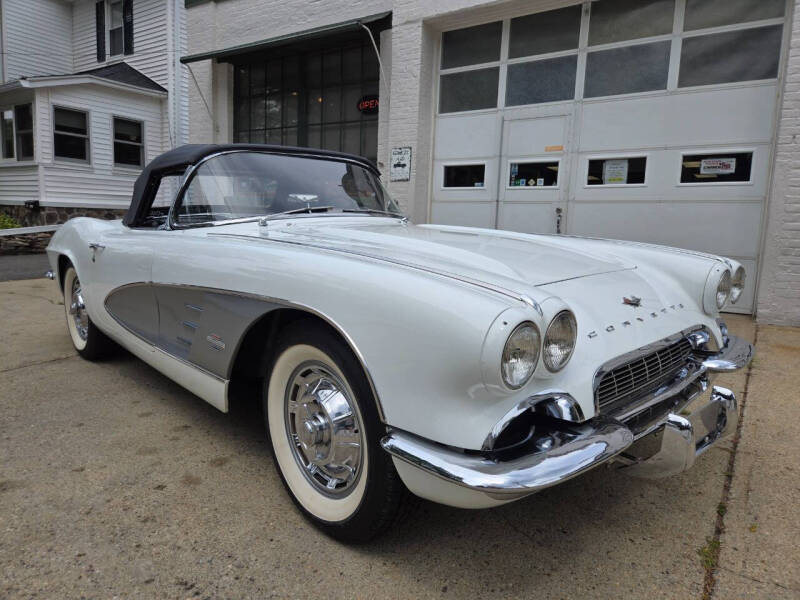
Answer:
(7, 133)
(115, 28)
(23, 121)
(464, 176)
(128, 143)
(719, 167)
(617, 171)
(533, 174)
(70, 134)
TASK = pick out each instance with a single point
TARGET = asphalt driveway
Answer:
(115, 482)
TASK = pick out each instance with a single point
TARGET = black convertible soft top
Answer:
(176, 161)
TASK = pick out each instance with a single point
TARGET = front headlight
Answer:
(737, 285)
(559, 341)
(723, 289)
(520, 355)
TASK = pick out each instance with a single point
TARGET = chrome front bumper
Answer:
(665, 447)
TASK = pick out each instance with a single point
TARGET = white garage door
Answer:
(650, 120)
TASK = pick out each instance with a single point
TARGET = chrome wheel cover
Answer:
(324, 429)
(77, 309)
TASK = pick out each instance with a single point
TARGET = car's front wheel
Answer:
(324, 429)
(89, 341)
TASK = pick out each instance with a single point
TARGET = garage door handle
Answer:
(558, 220)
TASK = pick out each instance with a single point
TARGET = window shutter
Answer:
(127, 21)
(100, 24)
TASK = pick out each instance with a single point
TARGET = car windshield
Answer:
(241, 185)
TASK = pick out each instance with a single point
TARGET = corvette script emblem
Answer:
(632, 301)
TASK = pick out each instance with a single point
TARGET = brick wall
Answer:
(778, 299)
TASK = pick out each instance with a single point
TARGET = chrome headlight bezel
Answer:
(557, 320)
(514, 342)
(737, 284)
(717, 289)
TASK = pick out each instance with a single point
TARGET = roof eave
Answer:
(61, 80)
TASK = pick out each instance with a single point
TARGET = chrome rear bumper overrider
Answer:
(667, 447)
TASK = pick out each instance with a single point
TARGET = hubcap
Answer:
(77, 309)
(324, 429)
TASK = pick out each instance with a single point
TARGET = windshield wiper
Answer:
(374, 211)
(298, 211)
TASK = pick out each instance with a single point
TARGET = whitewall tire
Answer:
(324, 432)
(87, 339)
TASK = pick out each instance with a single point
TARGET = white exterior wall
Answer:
(37, 37)
(97, 184)
(779, 287)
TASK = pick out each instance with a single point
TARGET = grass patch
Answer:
(722, 508)
(709, 554)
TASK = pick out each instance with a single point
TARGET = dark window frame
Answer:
(115, 141)
(456, 165)
(699, 155)
(28, 133)
(603, 158)
(246, 93)
(86, 137)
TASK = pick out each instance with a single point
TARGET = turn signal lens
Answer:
(520, 355)
(737, 285)
(559, 341)
(724, 289)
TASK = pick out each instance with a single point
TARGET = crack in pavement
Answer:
(36, 364)
(710, 581)
(773, 583)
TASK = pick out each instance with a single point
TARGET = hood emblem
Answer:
(632, 301)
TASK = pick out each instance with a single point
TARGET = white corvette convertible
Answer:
(471, 367)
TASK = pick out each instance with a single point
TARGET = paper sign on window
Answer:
(717, 166)
(615, 171)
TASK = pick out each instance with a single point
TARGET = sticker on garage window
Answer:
(717, 166)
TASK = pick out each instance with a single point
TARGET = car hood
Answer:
(514, 261)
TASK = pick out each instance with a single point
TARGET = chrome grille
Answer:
(641, 375)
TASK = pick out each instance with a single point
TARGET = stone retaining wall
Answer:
(26, 243)
(53, 215)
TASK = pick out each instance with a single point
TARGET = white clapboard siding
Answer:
(98, 183)
(38, 37)
(149, 39)
(18, 184)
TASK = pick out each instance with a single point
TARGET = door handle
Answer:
(94, 247)
(558, 220)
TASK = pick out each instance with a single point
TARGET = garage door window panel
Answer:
(469, 90)
(717, 168)
(543, 33)
(470, 176)
(702, 14)
(621, 20)
(70, 134)
(627, 70)
(533, 174)
(549, 80)
(743, 55)
(471, 46)
(616, 171)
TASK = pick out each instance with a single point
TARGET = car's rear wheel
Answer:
(324, 429)
(88, 340)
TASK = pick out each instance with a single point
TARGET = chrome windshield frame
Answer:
(172, 224)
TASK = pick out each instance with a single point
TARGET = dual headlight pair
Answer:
(729, 287)
(521, 352)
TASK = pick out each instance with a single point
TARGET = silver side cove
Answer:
(203, 327)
